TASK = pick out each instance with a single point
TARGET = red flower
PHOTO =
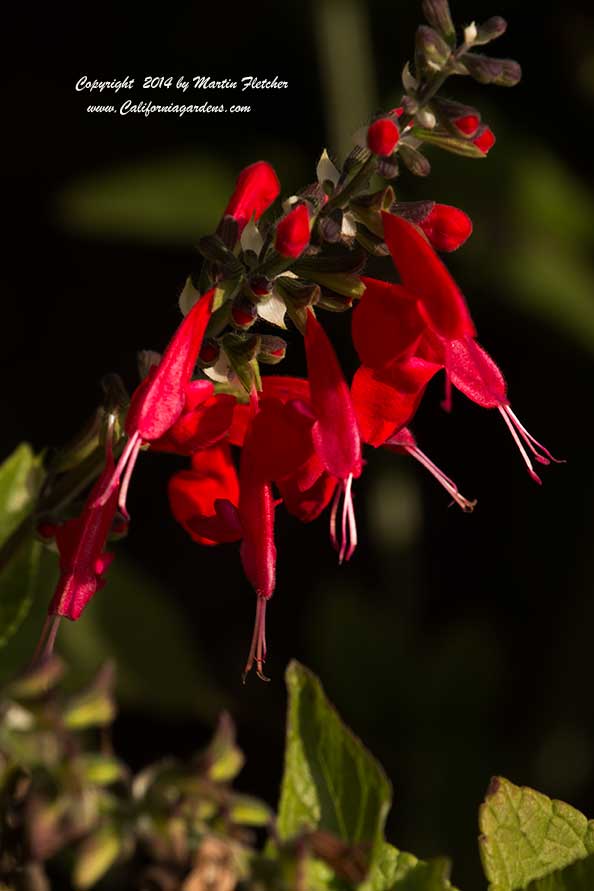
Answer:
(404, 442)
(473, 372)
(292, 232)
(204, 421)
(159, 400)
(204, 500)
(257, 187)
(424, 275)
(335, 432)
(382, 137)
(386, 400)
(484, 140)
(386, 323)
(447, 228)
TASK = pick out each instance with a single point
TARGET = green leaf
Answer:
(577, 877)
(330, 781)
(96, 855)
(248, 811)
(525, 835)
(395, 870)
(20, 479)
(18, 582)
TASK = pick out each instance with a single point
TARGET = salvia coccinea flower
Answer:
(292, 232)
(159, 400)
(405, 443)
(424, 276)
(205, 499)
(473, 372)
(447, 228)
(287, 447)
(205, 419)
(382, 137)
(83, 561)
(386, 399)
(258, 550)
(257, 187)
(386, 323)
(335, 432)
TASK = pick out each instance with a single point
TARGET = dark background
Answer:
(456, 646)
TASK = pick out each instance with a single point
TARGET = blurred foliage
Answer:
(73, 814)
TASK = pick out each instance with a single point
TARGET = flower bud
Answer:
(330, 227)
(272, 349)
(502, 72)
(388, 168)
(447, 228)
(484, 140)
(243, 313)
(414, 211)
(333, 301)
(260, 287)
(490, 30)
(209, 352)
(459, 119)
(431, 48)
(437, 13)
(415, 161)
(292, 233)
(382, 137)
(257, 187)
(300, 293)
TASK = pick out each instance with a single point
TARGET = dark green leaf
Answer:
(20, 478)
(18, 581)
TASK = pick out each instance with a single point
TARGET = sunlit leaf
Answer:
(525, 835)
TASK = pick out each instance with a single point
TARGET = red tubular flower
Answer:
(204, 500)
(83, 560)
(335, 432)
(405, 443)
(424, 275)
(257, 187)
(382, 137)
(292, 232)
(386, 323)
(484, 139)
(159, 400)
(386, 400)
(205, 420)
(473, 372)
(447, 228)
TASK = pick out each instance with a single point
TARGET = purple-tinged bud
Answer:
(388, 168)
(272, 349)
(437, 13)
(209, 352)
(260, 287)
(431, 48)
(243, 313)
(490, 30)
(414, 160)
(502, 72)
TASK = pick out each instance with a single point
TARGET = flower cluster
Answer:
(260, 441)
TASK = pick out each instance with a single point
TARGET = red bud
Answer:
(292, 233)
(446, 227)
(382, 137)
(255, 190)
